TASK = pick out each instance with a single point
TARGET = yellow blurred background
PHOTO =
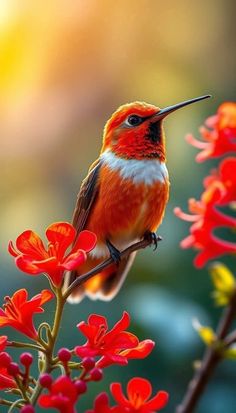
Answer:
(65, 66)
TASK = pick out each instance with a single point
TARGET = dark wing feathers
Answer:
(86, 197)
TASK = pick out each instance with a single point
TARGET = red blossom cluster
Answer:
(219, 189)
(218, 134)
(18, 311)
(33, 258)
(6, 380)
(137, 401)
(79, 365)
(63, 393)
(114, 346)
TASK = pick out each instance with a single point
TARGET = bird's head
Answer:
(135, 130)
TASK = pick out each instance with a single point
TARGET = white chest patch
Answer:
(145, 171)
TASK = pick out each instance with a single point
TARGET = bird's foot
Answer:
(152, 236)
(114, 252)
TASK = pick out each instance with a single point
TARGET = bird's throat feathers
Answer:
(135, 146)
(144, 141)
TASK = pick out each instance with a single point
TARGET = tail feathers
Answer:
(103, 286)
(112, 284)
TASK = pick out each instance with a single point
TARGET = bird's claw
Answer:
(114, 252)
(152, 236)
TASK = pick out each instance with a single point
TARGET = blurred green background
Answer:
(65, 66)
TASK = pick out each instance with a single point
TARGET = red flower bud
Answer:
(26, 359)
(96, 374)
(81, 386)
(64, 355)
(45, 380)
(5, 359)
(88, 363)
(27, 409)
(13, 369)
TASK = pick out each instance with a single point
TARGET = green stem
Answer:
(5, 402)
(17, 403)
(22, 389)
(58, 315)
(51, 344)
(25, 345)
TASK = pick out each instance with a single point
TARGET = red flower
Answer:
(225, 180)
(62, 395)
(138, 393)
(18, 312)
(6, 381)
(101, 405)
(33, 258)
(115, 346)
(219, 134)
(206, 218)
(3, 342)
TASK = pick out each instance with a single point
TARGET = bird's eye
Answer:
(134, 120)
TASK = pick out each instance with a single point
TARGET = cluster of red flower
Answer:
(219, 188)
(102, 348)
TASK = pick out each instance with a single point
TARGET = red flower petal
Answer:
(142, 350)
(86, 330)
(74, 260)
(12, 250)
(26, 264)
(20, 297)
(121, 325)
(46, 295)
(86, 241)
(122, 341)
(3, 342)
(98, 321)
(85, 351)
(62, 234)
(101, 405)
(6, 381)
(138, 390)
(45, 401)
(110, 358)
(157, 402)
(116, 391)
(31, 244)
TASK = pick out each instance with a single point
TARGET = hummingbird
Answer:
(124, 195)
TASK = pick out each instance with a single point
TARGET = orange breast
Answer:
(124, 209)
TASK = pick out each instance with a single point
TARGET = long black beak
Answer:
(169, 109)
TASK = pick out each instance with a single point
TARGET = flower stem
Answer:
(25, 345)
(211, 358)
(5, 402)
(51, 343)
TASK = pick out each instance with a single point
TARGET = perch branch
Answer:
(210, 359)
(85, 277)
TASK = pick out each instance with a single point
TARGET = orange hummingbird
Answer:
(124, 195)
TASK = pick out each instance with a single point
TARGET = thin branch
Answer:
(230, 339)
(83, 278)
(5, 402)
(210, 359)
